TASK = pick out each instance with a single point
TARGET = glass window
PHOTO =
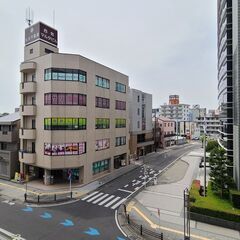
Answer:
(75, 75)
(47, 98)
(82, 100)
(54, 74)
(82, 76)
(61, 98)
(54, 98)
(75, 149)
(120, 87)
(75, 99)
(69, 99)
(61, 149)
(68, 149)
(61, 124)
(69, 75)
(75, 123)
(69, 123)
(47, 149)
(61, 74)
(82, 148)
(47, 74)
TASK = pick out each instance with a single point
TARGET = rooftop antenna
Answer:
(54, 18)
(29, 16)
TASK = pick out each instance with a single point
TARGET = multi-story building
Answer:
(236, 90)
(9, 145)
(74, 112)
(195, 112)
(164, 128)
(212, 123)
(141, 131)
(225, 80)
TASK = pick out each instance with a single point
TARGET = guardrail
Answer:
(139, 228)
(48, 197)
(5, 235)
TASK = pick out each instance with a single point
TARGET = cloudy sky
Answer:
(165, 47)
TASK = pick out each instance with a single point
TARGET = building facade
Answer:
(9, 145)
(196, 112)
(141, 129)
(236, 92)
(74, 113)
(225, 80)
(212, 123)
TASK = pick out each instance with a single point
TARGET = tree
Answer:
(211, 144)
(219, 175)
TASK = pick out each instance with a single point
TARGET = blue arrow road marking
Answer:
(92, 232)
(120, 238)
(46, 215)
(67, 223)
(27, 209)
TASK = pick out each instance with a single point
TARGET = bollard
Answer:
(128, 219)
(125, 208)
(71, 194)
(38, 198)
(161, 236)
(25, 197)
(55, 197)
(141, 230)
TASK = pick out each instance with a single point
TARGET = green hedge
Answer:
(216, 214)
(235, 198)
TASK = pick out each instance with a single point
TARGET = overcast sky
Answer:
(165, 47)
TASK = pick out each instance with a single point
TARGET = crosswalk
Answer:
(104, 199)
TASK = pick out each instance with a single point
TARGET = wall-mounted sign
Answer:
(40, 31)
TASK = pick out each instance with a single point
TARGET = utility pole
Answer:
(204, 156)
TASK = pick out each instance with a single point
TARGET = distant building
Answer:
(140, 113)
(212, 123)
(9, 145)
(165, 132)
(196, 112)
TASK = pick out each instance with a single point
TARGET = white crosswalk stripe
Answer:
(118, 204)
(113, 201)
(96, 196)
(88, 196)
(101, 198)
(106, 200)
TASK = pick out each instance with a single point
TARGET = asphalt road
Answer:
(92, 217)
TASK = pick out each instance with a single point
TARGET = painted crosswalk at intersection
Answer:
(104, 199)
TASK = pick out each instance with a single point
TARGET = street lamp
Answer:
(204, 156)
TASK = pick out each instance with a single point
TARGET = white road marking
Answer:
(101, 198)
(113, 201)
(107, 199)
(123, 190)
(116, 220)
(96, 196)
(134, 180)
(118, 204)
(89, 195)
(126, 186)
(137, 188)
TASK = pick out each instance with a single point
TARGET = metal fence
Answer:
(48, 197)
(141, 229)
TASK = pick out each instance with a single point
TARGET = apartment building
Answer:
(196, 112)
(141, 130)
(74, 113)
(9, 145)
(212, 123)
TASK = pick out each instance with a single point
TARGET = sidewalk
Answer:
(168, 197)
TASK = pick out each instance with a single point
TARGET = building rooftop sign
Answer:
(41, 31)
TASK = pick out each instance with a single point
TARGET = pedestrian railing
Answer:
(139, 228)
(48, 197)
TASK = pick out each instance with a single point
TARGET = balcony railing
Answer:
(28, 87)
(27, 157)
(27, 133)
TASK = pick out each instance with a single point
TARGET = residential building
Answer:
(156, 112)
(9, 145)
(166, 129)
(236, 89)
(225, 72)
(212, 123)
(74, 113)
(141, 132)
(195, 112)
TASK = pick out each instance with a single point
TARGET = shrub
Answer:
(235, 198)
(211, 145)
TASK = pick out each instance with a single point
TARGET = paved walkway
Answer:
(168, 197)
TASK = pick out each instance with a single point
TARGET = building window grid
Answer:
(102, 144)
(120, 105)
(102, 123)
(64, 149)
(100, 166)
(120, 123)
(65, 99)
(120, 87)
(102, 82)
(65, 123)
(120, 141)
(102, 102)
(62, 74)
